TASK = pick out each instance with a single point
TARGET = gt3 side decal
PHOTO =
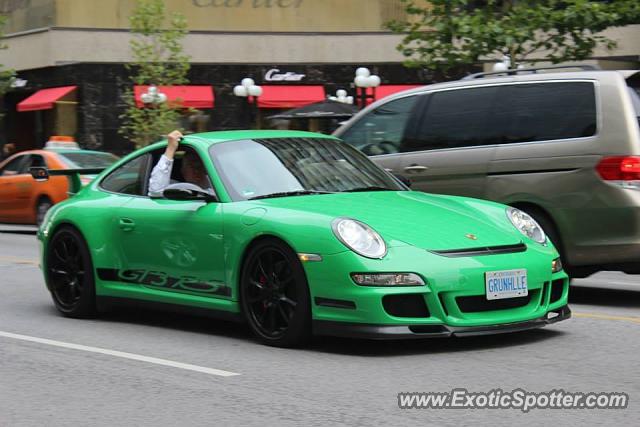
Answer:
(160, 279)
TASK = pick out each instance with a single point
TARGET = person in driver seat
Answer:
(192, 168)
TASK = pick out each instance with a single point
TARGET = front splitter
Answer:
(417, 331)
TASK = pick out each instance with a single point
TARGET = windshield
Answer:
(88, 160)
(257, 168)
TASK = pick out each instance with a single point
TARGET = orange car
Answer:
(25, 201)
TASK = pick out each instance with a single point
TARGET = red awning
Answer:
(386, 90)
(182, 96)
(290, 96)
(44, 98)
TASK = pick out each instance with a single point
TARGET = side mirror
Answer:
(39, 173)
(188, 191)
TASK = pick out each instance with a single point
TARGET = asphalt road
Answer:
(333, 382)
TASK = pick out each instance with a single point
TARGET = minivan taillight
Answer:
(623, 170)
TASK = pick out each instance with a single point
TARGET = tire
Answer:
(70, 274)
(274, 295)
(43, 205)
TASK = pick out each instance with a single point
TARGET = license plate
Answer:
(506, 284)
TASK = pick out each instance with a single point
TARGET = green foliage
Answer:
(158, 59)
(6, 76)
(451, 33)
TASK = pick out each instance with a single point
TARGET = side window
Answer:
(635, 100)
(184, 161)
(14, 167)
(128, 178)
(545, 111)
(382, 130)
(35, 160)
(454, 118)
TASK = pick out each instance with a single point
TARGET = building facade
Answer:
(84, 44)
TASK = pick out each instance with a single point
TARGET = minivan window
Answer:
(381, 130)
(544, 111)
(635, 100)
(455, 118)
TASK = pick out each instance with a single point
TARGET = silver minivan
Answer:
(562, 146)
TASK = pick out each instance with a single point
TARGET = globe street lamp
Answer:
(153, 97)
(341, 96)
(506, 65)
(248, 89)
(364, 80)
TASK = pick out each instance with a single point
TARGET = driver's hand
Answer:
(174, 139)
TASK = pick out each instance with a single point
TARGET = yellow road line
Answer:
(17, 260)
(607, 317)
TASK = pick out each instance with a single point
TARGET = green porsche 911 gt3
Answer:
(299, 234)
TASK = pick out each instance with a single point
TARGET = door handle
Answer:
(415, 169)
(126, 224)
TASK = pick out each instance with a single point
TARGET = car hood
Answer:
(428, 221)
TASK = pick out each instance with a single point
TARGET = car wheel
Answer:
(274, 295)
(70, 274)
(44, 204)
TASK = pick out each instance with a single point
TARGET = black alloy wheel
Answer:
(275, 295)
(70, 274)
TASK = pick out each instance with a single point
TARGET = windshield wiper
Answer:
(370, 188)
(289, 193)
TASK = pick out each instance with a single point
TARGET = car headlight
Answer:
(526, 225)
(359, 237)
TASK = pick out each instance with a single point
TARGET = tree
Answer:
(6, 76)
(157, 60)
(446, 34)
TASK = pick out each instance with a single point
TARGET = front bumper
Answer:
(452, 302)
(391, 332)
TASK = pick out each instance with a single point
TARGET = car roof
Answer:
(207, 139)
(58, 151)
(71, 150)
(567, 75)
(492, 80)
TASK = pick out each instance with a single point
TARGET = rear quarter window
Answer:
(128, 178)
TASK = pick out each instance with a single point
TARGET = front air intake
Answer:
(485, 250)
(405, 305)
(480, 303)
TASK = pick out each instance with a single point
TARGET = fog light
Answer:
(387, 279)
(556, 265)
